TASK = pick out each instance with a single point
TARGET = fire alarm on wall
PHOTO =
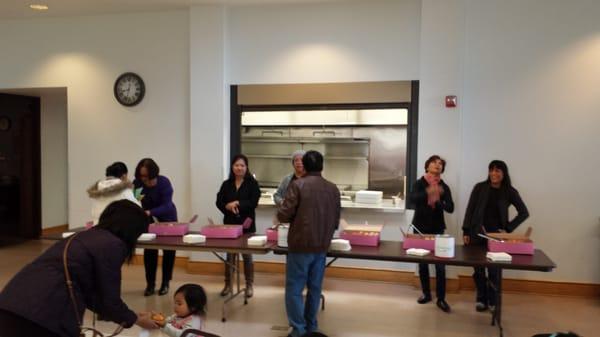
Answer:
(450, 101)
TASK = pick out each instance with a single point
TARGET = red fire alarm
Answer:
(450, 101)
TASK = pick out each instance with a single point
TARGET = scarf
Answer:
(434, 182)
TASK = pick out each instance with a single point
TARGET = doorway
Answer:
(20, 177)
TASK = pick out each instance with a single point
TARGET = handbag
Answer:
(83, 331)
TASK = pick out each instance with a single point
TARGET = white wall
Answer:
(86, 55)
(53, 129)
(209, 113)
(325, 42)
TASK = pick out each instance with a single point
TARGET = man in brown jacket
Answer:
(312, 208)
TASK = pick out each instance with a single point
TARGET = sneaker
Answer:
(480, 306)
(424, 299)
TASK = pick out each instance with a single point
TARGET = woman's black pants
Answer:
(151, 261)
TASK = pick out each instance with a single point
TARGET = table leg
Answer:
(497, 313)
(323, 296)
(239, 290)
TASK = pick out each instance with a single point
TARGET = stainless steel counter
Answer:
(386, 205)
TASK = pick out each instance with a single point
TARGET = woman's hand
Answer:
(147, 213)
(466, 239)
(233, 207)
(145, 321)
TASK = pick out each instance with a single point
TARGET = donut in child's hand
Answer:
(158, 318)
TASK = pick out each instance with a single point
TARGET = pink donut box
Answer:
(222, 231)
(171, 228)
(271, 234)
(416, 241)
(212, 231)
(523, 247)
(361, 238)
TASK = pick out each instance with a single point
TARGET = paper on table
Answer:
(147, 237)
(340, 244)
(257, 240)
(500, 256)
(417, 251)
(194, 238)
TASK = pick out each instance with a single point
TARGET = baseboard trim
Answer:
(463, 282)
(540, 287)
(55, 229)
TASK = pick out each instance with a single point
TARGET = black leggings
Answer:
(12, 325)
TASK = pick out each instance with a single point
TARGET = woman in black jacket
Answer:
(37, 302)
(237, 199)
(431, 197)
(487, 212)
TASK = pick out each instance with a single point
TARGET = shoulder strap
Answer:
(69, 281)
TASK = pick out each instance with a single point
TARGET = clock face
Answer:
(129, 89)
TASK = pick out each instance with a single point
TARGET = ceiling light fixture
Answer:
(38, 7)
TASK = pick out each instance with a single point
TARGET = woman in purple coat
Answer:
(37, 302)
(155, 192)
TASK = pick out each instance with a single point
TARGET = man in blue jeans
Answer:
(312, 208)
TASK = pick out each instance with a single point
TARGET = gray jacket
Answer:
(283, 186)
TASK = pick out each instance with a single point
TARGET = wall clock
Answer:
(129, 89)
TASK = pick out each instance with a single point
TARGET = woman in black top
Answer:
(431, 197)
(488, 210)
(237, 199)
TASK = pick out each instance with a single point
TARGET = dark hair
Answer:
(116, 169)
(236, 158)
(195, 298)
(150, 165)
(125, 220)
(312, 161)
(500, 165)
(434, 158)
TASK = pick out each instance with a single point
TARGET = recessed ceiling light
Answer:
(38, 7)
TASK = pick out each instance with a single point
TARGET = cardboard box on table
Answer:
(171, 228)
(361, 235)
(224, 231)
(511, 243)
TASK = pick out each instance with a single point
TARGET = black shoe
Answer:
(424, 299)
(164, 289)
(443, 305)
(149, 291)
(480, 306)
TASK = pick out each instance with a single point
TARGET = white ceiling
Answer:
(19, 9)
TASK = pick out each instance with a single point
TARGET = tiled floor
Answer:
(354, 308)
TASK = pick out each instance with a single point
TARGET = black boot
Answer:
(164, 289)
(149, 290)
(226, 289)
